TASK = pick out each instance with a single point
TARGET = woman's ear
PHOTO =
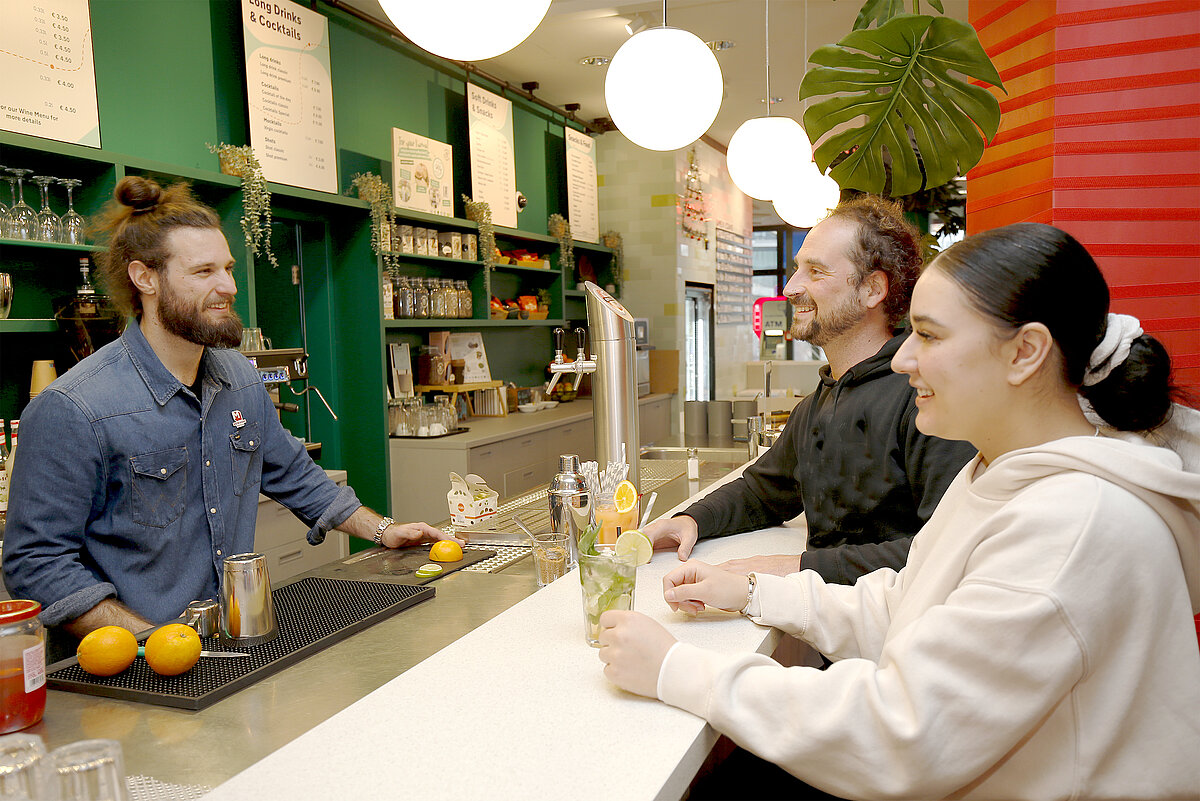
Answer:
(1027, 351)
(144, 278)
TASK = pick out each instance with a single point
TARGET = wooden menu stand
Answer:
(454, 390)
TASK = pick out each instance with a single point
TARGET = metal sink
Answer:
(732, 456)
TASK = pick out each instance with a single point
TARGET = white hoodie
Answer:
(1039, 644)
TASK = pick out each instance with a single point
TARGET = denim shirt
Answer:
(127, 484)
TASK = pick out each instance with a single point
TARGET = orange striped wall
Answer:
(1100, 135)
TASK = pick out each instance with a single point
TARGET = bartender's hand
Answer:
(780, 564)
(679, 532)
(401, 535)
(696, 584)
(632, 648)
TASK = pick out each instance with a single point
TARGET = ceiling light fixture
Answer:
(718, 45)
(663, 88)
(466, 30)
(811, 202)
(595, 61)
(767, 154)
(636, 25)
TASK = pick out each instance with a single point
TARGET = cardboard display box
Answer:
(664, 371)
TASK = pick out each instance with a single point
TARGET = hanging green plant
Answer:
(371, 188)
(240, 161)
(612, 240)
(560, 229)
(922, 122)
(481, 213)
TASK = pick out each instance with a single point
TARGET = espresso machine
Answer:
(279, 367)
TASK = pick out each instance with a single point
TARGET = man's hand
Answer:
(401, 535)
(780, 564)
(632, 648)
(679, 532)
(697, 584)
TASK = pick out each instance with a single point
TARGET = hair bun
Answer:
(140, 194)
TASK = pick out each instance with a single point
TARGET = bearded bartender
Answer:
(141, 467)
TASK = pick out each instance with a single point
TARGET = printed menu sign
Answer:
(422, 173)
(583, 202)
(49, 79)
(493, 164)
(290, 93)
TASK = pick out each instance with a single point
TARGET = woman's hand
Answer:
(632, 648)
(697, 584)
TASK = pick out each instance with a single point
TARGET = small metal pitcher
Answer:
(247, 608)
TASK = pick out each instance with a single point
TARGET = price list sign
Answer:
(48, 87)
(493, 163)
(583, 202)
(290, 93)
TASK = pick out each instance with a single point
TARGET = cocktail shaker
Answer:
(570, 504)
(247, 608)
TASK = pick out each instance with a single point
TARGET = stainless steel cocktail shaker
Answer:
(247, 607)
(570, 504)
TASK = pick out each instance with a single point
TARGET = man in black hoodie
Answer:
(850, 457)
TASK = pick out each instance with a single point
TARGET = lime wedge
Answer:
(636, 543)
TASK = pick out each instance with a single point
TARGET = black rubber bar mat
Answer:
(312, 614)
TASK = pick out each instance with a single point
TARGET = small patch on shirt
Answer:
(238, 420)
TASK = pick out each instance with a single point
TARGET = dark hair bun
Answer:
(141, 194)
(1135, 396)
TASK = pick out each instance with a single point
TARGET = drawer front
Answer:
(523, 479)
(578, 438)
(286, 561)
(276, 526)
(489, 462)
(527, 449)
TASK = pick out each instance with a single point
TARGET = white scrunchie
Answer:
(1113, 349)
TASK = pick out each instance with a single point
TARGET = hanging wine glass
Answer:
(49, 224)
(73, 223)
(23, 219)
(4, 214)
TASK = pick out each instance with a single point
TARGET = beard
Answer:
(189, 323)
(825, 326)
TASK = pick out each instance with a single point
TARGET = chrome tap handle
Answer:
(581, 342)
(559, 335)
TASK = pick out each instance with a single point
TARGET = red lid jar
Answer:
(22, 665)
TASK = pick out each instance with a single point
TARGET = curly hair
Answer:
(135, 225)
(887, 242)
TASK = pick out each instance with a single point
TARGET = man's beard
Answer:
(826, 326)
(189, 323)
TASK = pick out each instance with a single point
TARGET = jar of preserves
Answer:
(420, 299)
(465, 305)
(22, 665)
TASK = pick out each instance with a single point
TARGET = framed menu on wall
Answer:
(290, 94)
(493, 163)
(48, 88)
(422, 173)
(583, 202)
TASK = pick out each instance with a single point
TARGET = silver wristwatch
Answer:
(382, 527)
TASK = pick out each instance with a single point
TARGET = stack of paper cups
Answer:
(43, 376)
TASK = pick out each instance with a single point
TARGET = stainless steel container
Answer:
(614, 384)
(570, 504)
(204, 616)
(247, 608)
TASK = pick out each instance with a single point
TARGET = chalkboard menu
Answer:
(733, 303)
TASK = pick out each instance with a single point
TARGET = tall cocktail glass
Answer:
(608, 582)
(611, 521)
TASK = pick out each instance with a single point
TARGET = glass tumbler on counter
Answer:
(608, 582)
(24, 768)
(89, 770)
(549, 556)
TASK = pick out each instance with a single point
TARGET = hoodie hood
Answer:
(868, 369)
(1153, 474)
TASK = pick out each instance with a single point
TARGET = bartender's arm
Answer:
(109, 612)
(365, 523)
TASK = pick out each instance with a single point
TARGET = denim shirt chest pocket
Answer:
(159, 486)
(244, 452)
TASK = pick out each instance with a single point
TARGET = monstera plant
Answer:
(894, 112)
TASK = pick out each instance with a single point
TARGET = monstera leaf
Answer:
(882, 10)
(931, 123)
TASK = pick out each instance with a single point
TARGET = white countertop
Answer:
(519, 709)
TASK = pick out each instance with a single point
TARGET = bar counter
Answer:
(487, 690)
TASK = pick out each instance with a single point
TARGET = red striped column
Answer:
(1100, 136)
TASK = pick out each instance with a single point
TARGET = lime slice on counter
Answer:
(427, 570)
(636, 543)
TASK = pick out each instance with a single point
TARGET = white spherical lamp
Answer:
(766, 155)
(466, 30)
(663, 88)
(810, 200)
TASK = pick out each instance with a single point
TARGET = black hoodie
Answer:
(852, 459)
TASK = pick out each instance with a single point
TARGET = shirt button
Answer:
(207, 463)
(251, 442)
(212, 511)
(163, 471)
(218, 552)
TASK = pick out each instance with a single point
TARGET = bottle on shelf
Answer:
(385, 286)
(87, 302)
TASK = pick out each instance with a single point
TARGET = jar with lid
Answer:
(439, 301)
(22, 665)
(465, 303)
(420, 299)
(451, 298)
(404, 300)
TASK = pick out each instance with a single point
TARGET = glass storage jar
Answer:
(420, 299)
(439, 299)
(451, 298)
(404, 300)
(22, 665)
(465, 304)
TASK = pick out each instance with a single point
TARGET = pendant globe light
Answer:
(466, 30)
(810, 200)
(767, 154)
(663, 88)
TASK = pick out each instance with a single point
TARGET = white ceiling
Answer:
(575, 29)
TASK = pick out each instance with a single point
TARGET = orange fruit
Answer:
(625, 497)
(173, 649)
(107, 651)
(446, 551)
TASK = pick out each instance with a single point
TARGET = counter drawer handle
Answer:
(526, 442)
(290, 556)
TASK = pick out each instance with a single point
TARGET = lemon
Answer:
(446, 551)
(625, 497)
(636, 543)
(107, 651)
(173, 649)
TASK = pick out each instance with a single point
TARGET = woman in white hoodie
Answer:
(1039, 643)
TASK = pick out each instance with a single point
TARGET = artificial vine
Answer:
(560, 229)
(612, 241)
(240, 161)
(481, 213)
(371, 188)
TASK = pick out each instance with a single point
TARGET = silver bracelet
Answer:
(382, 527)
(749, 593)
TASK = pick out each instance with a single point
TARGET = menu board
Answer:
(422, 173)
(290, 93)
(583, 202)
(493, 163)
(735, 277)
(49, 79)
